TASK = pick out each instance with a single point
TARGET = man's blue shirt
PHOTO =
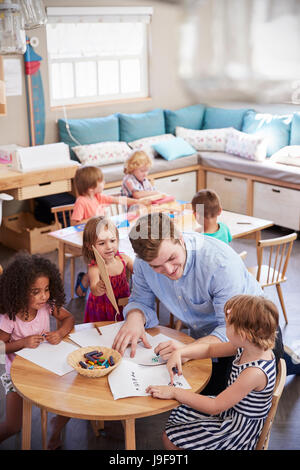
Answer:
(213, 273)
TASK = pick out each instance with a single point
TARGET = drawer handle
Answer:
(174, 180)
(228, 179)
(46, 231)
(45, 184)
(276, 190)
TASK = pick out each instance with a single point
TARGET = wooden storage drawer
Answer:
(182, 186)
(42, 189)
(23, 232)
(231, 190)
(281, 205)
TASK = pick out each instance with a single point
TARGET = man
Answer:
(193, 275)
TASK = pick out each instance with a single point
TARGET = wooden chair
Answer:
(62, 217)
(264, 437)
(278, 255)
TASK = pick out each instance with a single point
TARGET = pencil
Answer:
(244, 223)
(98, 330)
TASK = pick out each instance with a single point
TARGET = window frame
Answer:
(69, 13)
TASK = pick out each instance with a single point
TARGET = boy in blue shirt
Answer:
(212, 210)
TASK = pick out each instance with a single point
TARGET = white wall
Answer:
(167, 91)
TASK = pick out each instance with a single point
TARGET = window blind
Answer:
(99, 14)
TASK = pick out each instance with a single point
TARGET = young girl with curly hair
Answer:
(30, 291)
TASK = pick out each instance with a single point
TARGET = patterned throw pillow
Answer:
(209, 139)
(102, 153)
(145, 144)
(246, 145)
(289, 155)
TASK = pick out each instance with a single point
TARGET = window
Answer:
(248, 49)
(97, 54)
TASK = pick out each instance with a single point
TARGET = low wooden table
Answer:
(240, 226)
(76, 396)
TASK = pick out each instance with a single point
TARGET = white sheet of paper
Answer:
(145, 356)
(52, 357)
(13, 76)
(91, 337)
(88, 337)
(131, 380)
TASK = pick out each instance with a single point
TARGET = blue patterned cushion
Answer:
(137, 126)
(88, 131)
(295, 130)
(274, 128)
(190, 117)
(174, 148)
(217, 118)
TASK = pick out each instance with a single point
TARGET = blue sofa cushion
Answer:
(295, 130)
(137, 126)
(217, 118)
(89, 131)
(190, 117)
(174, 148)
(275, 128)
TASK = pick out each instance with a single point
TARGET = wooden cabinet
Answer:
(276, 203)
(231, 190)
(182, 186)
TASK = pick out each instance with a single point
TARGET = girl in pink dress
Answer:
(30, 291)
(103, 234)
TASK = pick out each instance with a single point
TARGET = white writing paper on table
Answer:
(145, 356)
(131, 380)
(52, 357)
(91, 337)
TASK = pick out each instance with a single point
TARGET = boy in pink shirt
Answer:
(91, 202)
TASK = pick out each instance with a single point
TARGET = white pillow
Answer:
(289, 155)
(102, 153)
(145, 144)
(245, 145)
(208, 139)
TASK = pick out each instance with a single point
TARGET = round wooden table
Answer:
(76, 396)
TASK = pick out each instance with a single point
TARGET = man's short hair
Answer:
(148, 233)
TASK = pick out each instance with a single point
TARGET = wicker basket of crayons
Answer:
(94, 361)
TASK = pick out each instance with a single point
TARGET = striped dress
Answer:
(235, 429)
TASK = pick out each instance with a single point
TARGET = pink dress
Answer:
(19, 329)
(99, 308)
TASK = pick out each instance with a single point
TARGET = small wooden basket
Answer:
(78, 355)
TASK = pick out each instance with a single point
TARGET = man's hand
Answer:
(130, 333)
(166, 348)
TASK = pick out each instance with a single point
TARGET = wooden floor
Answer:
(286, 429)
